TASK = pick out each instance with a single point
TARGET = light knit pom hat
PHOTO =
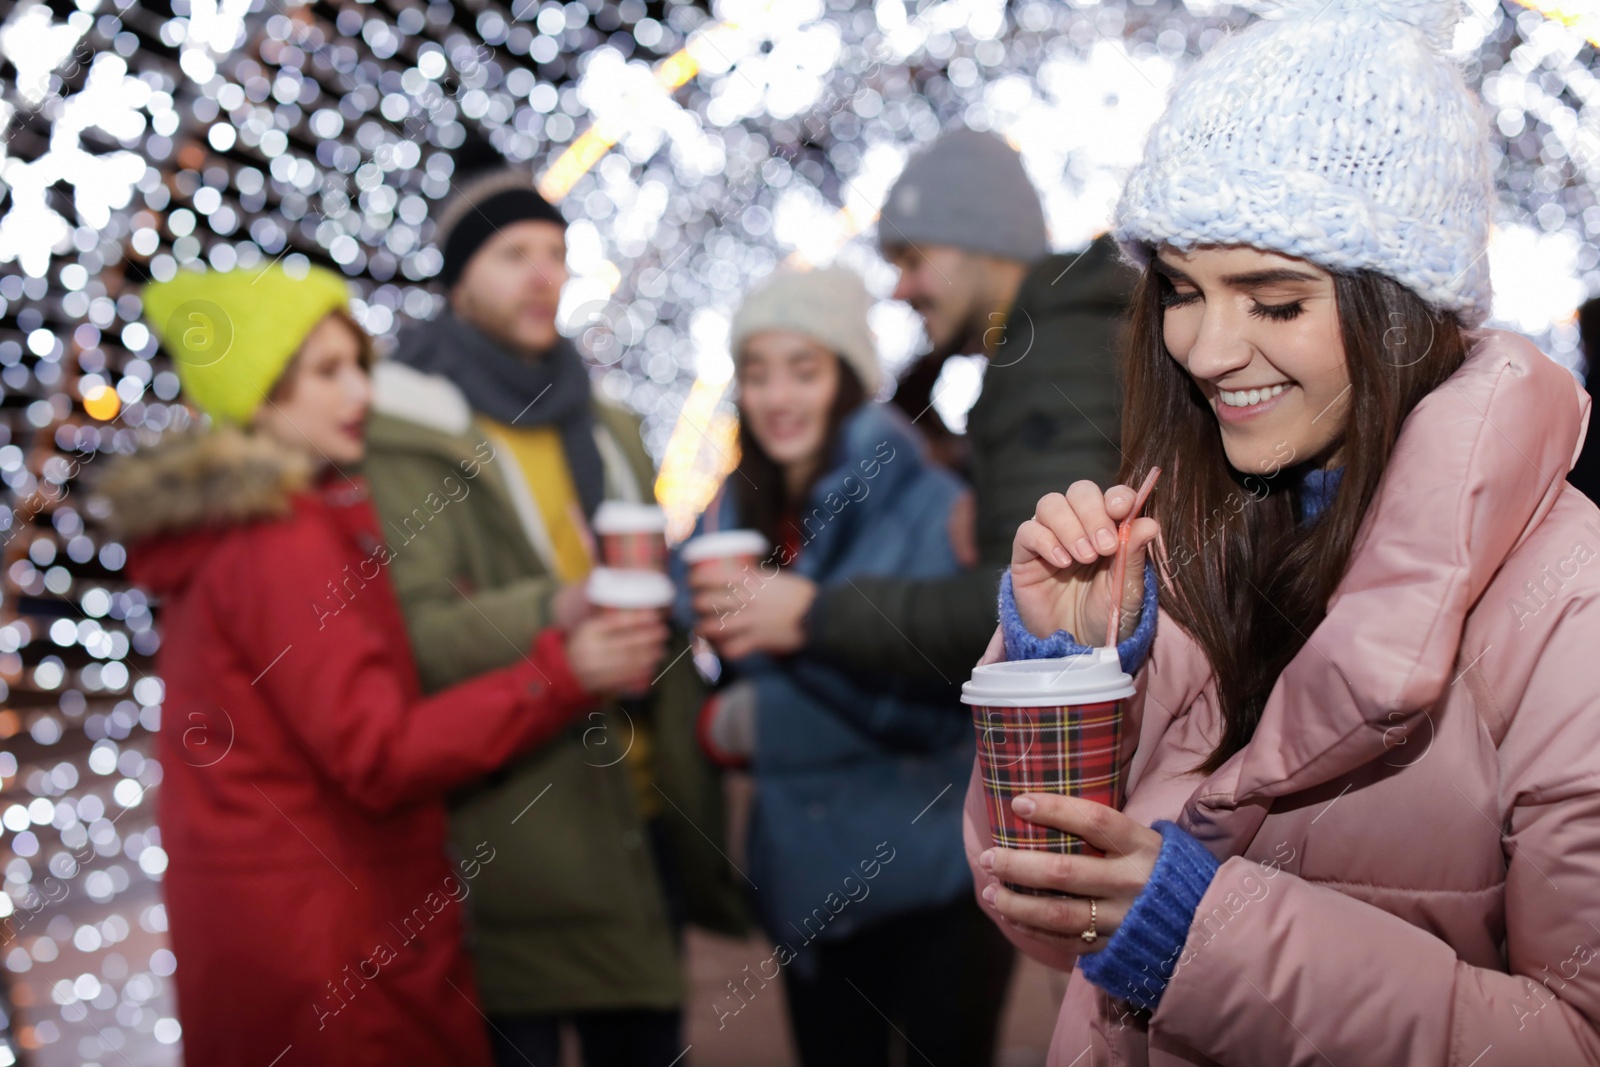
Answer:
(829, 305)
(1338, 132)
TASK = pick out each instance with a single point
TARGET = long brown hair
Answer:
(758, 483)
(1251, 582)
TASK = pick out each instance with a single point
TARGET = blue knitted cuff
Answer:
(1020, 644)
(1138, 961)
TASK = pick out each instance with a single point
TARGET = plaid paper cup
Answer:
(632, 536)
(1048, 726)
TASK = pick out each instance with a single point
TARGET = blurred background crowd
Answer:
(688, 150)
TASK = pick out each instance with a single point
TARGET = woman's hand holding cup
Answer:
(1061, 562)
(1060, 914)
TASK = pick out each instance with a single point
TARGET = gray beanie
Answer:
(967, 190)
(829, 305)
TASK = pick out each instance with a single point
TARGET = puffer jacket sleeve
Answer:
(332, 678)
(1301, 973)
(459, 635)
(903, 714)
(927, 625)
(919, 627)
(456, 633)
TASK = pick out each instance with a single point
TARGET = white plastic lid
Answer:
(1091, 678)
(723, 544)
(610, 587)
(623, 516)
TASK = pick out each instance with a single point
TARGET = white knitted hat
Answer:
(1339, 133)
(828, 305)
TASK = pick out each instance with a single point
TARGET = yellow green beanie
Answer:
(231, 334)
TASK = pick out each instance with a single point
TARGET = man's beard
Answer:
(502, 330)
(964, 341)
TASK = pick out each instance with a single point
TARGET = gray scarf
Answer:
(553, 390)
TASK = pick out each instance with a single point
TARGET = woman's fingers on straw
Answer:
(1088, 503)
(1057, 515)
(1141, 536)
(1034, 539)
(1119, 501)
(1142, 532)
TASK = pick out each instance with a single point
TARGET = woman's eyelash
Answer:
(1277, 312)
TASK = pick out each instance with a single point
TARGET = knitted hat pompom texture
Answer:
(828, 305)
(1337, 132)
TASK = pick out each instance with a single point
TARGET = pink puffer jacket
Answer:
(1411, 840)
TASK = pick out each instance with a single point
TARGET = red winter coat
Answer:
(313, 910)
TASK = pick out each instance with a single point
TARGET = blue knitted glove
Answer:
(1020, 644)
(1138, 961)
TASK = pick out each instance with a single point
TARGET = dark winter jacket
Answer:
(310, 897)
(854, 769)
(573, 915)
(1048, 416)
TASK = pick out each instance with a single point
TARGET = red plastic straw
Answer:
(1119, 569)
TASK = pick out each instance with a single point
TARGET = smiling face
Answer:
(511, 286)
(1259, 334)
(787, 386)
(962, 297)
(941, 286)
(320, 404)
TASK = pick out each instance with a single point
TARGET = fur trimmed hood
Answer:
(203, 478)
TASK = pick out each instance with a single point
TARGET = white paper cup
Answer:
(730, 550)
(629, 590)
